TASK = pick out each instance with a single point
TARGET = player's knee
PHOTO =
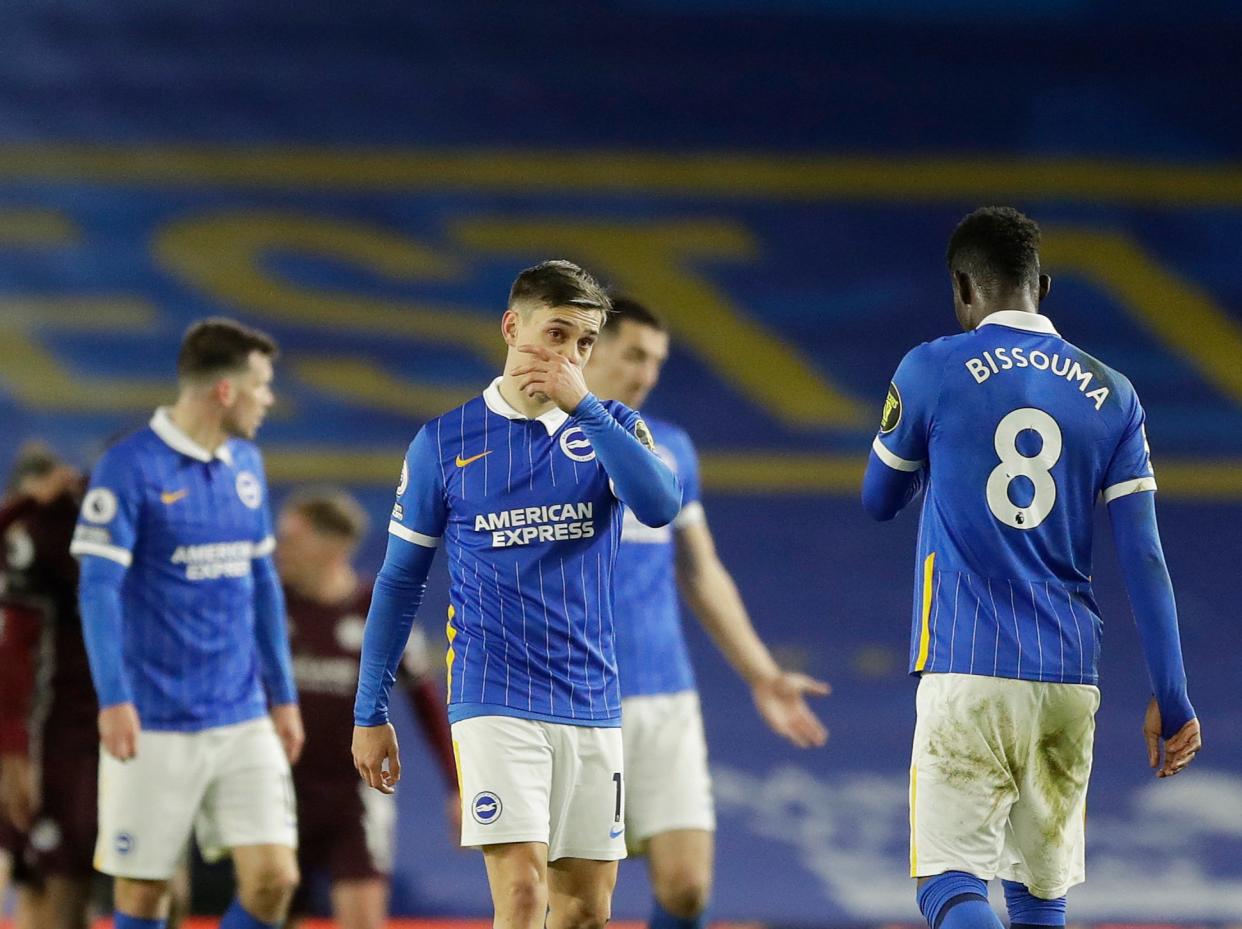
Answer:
(938, 895)
(1026, 909)
(683, 891)
(585, 914)
(266, 890)
(521, 902)
(144, 899)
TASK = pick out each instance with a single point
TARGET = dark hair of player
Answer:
(626, 309)
(558, 283)
(330, 512)
(34, 459)
(217, 346)
(997, 247)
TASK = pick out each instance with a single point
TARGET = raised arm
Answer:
(640, 479)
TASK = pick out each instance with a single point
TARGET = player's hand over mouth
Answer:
(553, 375)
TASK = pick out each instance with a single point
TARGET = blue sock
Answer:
(663, 919)
(1025, 909)
(956, 900)
(237, 918)
(124, 921)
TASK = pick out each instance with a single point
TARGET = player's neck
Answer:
(333, 585)
(527, 406)
(203, 425)
(1015, 302)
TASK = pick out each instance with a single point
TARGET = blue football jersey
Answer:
(530, 527)
(1020, 432)
(186, 524)
(651, 646)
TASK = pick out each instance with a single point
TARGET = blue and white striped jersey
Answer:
(186, 524)
(651, 645)
(530, 527)
(1020, 433)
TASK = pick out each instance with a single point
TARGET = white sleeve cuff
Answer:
(897, 464)
(691, 515)
(1138, 485)
(111, 552)
(426, 541)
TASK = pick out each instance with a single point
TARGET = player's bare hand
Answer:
(376, 756)
(18, 798)
(119, 730)
(550, 374)
(1179, 751)
(287, 718)
(782, 704)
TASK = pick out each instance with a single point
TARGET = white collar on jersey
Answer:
(1020, 319)
(552, 420)
(163, 426)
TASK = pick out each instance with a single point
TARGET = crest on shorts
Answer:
(892, 410)
(485, 808)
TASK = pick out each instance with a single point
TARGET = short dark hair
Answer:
(558, 282)
(218, 345)
(330, 511)
(996, 246)
(35, 458)
(627, 309)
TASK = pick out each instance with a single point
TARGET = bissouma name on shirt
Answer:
(553, 522)
(1002, 359)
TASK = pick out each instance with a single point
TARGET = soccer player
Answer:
(49, 745)
(185, 629)
(1013, 433)
(525, 486)
(345, 829)
(669, 812)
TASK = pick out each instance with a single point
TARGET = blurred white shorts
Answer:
(230, 785)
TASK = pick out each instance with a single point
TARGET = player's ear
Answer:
(225, 392)
(508, 327)
(963, 287)
(1045, 285)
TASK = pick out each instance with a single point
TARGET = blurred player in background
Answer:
(184, 621)
(49, 744)
(526, 485)
(345, 829)
(1014, 432)
(669, 811)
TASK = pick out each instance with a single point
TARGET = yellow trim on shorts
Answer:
(448, 657)
(914, 855)
(457, 763)
(925, 634)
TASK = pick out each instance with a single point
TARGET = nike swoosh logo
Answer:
(617, 834)
(172, 496)
(462, 462)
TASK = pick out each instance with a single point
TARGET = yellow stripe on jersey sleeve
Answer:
(925, 634)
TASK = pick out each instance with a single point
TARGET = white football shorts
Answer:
(525, 780)
(998, 779)
(667, 782)
(230, 785)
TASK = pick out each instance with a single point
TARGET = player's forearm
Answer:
(20, 631)
(398, 593)
(99, 602)
(1146, 577)
(714, 598)
(272, 634)
(643, 482)
(886, 491)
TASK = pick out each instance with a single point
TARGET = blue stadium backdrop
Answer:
(779, 178)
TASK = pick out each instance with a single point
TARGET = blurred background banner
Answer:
(779, 179)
